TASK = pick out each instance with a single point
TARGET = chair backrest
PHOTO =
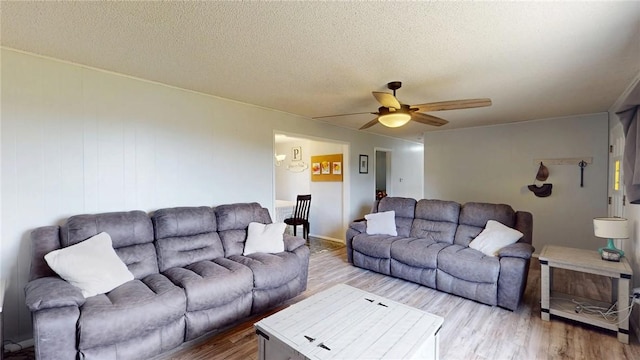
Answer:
(303, 204)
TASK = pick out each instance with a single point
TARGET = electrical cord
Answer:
(11, 342)
(609, 314)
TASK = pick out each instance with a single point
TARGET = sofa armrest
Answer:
(359, 226)
(292, 242)
(51, 292)
(519, 250)
(355, 228)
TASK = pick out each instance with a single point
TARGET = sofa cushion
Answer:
(468, 264)
(270, 270)
(474, 217)
(183, 221)
(404, 209)
(378, 246)
(210, 284)
(233, 221)
(382, 223)
(91, 265)
(125, 228)
(238, 216)
(422, 253)
(131, 234)
(186, 235)
(438, 210)
(43, 240)
(186, 250)
(436, 219)
(132, 309)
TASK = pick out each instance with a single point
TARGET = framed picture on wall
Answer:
(336, 167)
(325, 167)
(364, 164)
(296, 153)
(315, 168)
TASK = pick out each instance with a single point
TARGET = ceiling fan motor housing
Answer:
(385, 110)
(394, 85)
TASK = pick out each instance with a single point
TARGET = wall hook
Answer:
(582, 164)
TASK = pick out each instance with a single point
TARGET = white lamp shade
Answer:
(611, 228)
(394, 119)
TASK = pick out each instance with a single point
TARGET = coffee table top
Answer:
(346, 322)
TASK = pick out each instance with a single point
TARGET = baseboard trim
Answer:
(341, 241)
(13, 347)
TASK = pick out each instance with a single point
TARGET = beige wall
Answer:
(495, 164)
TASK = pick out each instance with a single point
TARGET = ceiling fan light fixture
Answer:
(395, 119)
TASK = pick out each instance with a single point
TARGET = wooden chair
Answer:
(300, 215)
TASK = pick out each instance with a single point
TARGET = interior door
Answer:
(617, 197)
(382, 165)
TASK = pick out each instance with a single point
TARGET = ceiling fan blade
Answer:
(328, 116)
(453, 105)
(386, 99)
(369, 124)
(428, 119)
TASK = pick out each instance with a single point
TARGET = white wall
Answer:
(289, 184)
(79, 140)
(325, 218)
(495, 164)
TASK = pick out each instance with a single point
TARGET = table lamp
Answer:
(611, 228)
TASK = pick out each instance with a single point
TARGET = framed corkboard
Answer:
(326, 167)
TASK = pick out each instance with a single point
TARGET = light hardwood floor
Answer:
(470, 331)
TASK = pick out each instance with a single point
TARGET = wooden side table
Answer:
(586, 261)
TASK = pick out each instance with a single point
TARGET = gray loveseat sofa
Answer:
(190, 279)
(432, 249)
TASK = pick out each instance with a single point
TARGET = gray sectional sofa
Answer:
(190, 279)
(432, 249)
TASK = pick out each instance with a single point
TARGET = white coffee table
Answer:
(347, 323)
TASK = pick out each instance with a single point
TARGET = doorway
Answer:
(382, 166)
(292, 176)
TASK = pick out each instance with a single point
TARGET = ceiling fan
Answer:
(393, 113)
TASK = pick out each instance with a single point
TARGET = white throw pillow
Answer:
(91, 265)
(266, 238)
(494, 237)
(382, 223)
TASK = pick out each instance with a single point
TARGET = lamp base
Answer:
(611, 247)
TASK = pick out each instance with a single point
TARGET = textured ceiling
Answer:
(533, 59)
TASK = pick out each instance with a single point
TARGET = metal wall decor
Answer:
(582, 164)
(543, 190)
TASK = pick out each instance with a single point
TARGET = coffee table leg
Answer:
(545, 282)
(261, 347)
